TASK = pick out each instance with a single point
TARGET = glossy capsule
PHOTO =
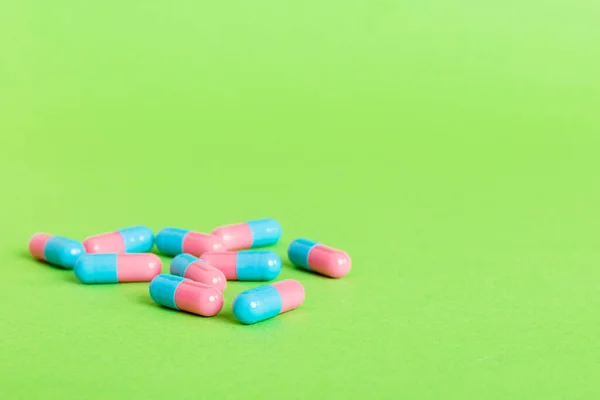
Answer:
(137, 239)
(174, 241)
(256, 265)
(185, 294)
(188, 266)
(317, 257)
(113, 268)
(267, 301)
(247, 235)
(56, 250)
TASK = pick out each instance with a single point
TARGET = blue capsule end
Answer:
(62, 251)
(97, 268)
(257, 304)
(137, 239)
(298, 252)
(265, 232)
(180, 263)
(162, 289)
(169, 241)
(257, 265)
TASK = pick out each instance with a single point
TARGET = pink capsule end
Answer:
(329, 261)
(142, 267)
(225, 261)
(37, 243)
(105, 243)
(198, 298)
(197, 244)
(202, 272)
(291, 292)
(235, 237)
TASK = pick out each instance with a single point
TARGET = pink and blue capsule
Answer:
(115, 268)
(183, 294)
(247, 235)
(174, 241)
(313, 256)
(137, 239)
(56, 250)
(247, 265)
(268, 301)
(188, 266)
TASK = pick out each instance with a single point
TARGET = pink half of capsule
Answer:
(291, 292)
(329, 261)
(198, 298)
(202, 272)
(138, 267)
(196, 243)
(225, 261)
(325, 260)
(191, 267)
(104, 243)
(184, 294)
(235, 237)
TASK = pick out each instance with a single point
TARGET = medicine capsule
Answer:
(188, 266)
(185, 294)
(256, 233)
(267, 301)
(56, 250)
(174, 241)
(137, 239)
(317, 257)
(113, 268)
(257, 265)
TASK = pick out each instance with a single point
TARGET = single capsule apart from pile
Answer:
(187, 295)
(174, 241)
(56, 250)
(188, 266)
(247, 265)
(317, 257)
(113, 268)
(267, 301)
(247, 235)
(137, 239)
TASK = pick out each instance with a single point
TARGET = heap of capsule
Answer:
(201, 267)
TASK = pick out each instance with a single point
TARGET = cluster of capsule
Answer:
(201, 267)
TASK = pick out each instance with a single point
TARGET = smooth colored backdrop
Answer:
(451, 147)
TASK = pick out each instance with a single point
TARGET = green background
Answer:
(451, 147)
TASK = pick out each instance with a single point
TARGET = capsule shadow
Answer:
(25, 255)
(146, 300)
(158, 253)
(228, 316)
(22, 253)
(292, 267)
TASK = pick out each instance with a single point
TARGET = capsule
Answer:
(188, 266)
(267, 301)
(185, 294)
(174, 241)
(56, 250)
(257, 265)
(137, 239)
(247, 235)
(113, 268)
(317, 257)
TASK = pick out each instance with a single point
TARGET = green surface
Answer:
(451, 147)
